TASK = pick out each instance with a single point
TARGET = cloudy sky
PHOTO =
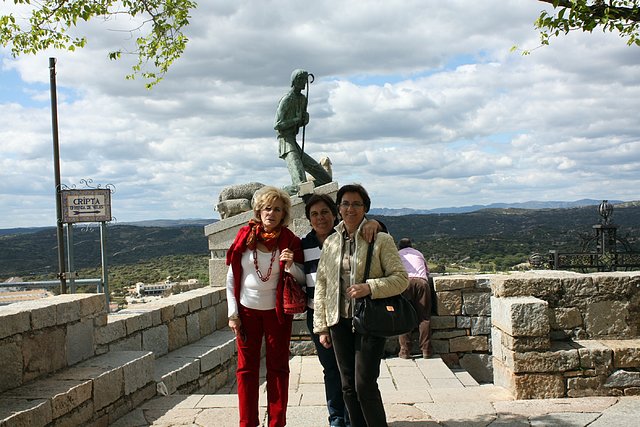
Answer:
(420, 101)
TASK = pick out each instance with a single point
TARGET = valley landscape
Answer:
(484, 240)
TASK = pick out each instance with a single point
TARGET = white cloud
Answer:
(420, 101)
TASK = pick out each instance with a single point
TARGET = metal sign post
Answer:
(70, 259)
(56, 166)
(89, 205)
(72, 206)
(103, 251)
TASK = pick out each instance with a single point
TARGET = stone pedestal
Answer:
(221, 234)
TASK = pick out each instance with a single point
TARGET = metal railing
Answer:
(51, 284)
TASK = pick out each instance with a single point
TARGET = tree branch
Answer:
(598, 10)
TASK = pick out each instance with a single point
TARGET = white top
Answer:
(255, 293)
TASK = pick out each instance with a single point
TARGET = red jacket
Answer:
(234, 255)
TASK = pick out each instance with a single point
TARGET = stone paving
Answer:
(418, 392)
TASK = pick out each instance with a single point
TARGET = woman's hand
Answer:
(325, 339)
(286, 256)
(370, 229)
(236, 327)
(359, 290)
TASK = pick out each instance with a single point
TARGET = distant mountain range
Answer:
(166, 223)
(171, 222)
(373, 211)
(473, 208)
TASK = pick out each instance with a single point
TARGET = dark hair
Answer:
(354, 188)
(321, 198)
(404, 243)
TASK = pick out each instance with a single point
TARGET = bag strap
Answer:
(367, 264)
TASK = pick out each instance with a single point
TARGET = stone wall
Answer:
(461, 329)
(166, 324)
(43, 336)
(66, 362)
(561, 334)
(542, 334)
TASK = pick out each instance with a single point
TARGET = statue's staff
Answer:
(310, 79)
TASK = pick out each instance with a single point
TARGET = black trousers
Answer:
(359, 359)
(332, 380)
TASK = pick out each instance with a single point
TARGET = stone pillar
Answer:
(520, 337)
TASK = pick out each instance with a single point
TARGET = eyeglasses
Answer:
(354, 205)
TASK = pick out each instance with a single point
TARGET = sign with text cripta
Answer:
(93, 205)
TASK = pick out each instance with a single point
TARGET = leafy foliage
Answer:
(161, 24)
(622, 16)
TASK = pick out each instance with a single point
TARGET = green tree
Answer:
(49, 24)
(622, 16)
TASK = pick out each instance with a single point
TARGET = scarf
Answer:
(257, 234)
(234, 256)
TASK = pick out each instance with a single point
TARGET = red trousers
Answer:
(255, 325)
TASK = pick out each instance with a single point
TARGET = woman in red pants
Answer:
(260, 253)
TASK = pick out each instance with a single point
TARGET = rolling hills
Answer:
(493, 238)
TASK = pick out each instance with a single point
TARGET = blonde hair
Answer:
(266, 196)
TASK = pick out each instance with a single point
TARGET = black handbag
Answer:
(383, 317)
